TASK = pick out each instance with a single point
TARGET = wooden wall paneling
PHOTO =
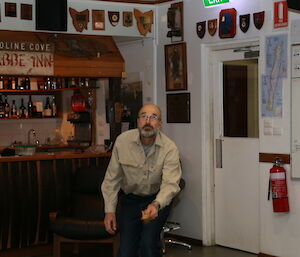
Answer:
(15, 204)
(4, 204)
(33, 203)
(24, 201)
(84, 162)
(47, 196)
(28, 191)
(63, 174)
(93, 162)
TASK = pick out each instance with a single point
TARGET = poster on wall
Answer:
(276, 70)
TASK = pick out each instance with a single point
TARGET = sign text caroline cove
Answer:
(26, 58)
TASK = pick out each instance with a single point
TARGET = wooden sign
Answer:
(26, 58)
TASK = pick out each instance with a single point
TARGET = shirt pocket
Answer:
(155, 173)
(131, 170)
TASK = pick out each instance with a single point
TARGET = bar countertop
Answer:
(53, 156)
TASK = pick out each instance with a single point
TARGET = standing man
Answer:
(145, 167)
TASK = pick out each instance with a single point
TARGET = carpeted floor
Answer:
(172, 251)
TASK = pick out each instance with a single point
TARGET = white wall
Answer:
(15, 23)
(280, 233)
(139, 65)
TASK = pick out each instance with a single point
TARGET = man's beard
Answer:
(148, 133)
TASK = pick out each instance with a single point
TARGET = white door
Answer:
(236, 176)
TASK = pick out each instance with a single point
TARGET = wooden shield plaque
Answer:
(258, 19)
(212, 26)
(200, 28)
(113, 18)
(144, 21)
(244, 22)
(227, 23)
(127, 19)
(80, 20)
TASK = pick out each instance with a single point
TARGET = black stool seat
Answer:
(79, 229)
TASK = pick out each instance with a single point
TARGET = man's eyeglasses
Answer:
(146, 117)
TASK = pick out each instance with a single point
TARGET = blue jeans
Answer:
(135, 236)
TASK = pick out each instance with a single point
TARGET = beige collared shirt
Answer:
(134, 172)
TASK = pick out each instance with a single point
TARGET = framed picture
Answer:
(10, 9)
(26, 12)
(178, 108)
(175, 67)
(177, 20)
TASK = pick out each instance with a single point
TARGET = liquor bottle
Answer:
(22, 109)
(21, 84)
(87, 82)
(9, 83)
(73, 82)
(13, 110)
(53, 107)
(1, 82)
(47, 84)
(30, 107)
(27, 83)
(6, 84)
(58, 82)
(66, 84)
(1, 108)
(54, 83)
(82, 82)
(14, 83)
(47, 108)
(6, 108)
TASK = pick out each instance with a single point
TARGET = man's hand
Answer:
(151, 212)
(110, 223)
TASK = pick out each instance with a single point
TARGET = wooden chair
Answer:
(81, 221)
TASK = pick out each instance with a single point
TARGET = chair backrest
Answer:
(182, 184)
(86, 197)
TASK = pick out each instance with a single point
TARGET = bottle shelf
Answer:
(30, 118)
(41, 91)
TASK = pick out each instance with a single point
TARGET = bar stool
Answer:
(171, 226)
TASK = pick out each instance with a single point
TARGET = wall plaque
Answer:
(178, 108)
(10, 9)
(98, 19)
(26, 11)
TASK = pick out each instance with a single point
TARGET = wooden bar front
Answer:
(30, 188)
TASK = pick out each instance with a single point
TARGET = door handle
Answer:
(219, 160)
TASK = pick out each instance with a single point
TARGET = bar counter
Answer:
(53, 156)
(33, 186)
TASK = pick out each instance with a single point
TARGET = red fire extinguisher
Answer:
(278, 187)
